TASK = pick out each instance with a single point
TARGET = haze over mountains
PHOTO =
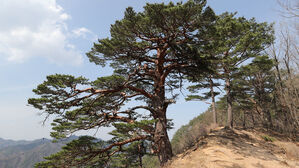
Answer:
(24, 154)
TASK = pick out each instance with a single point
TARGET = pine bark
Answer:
(229, 123)
(162, 142)
(161, 139)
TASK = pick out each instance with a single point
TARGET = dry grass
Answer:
(190, 137)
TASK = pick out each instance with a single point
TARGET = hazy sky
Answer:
(42, 37)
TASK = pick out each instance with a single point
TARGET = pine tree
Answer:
(262, 79)
(149, 51)
(254, 87)
(202, 83)
(236, 40)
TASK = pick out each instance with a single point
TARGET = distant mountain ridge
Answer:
(5, 143)
(24, 154)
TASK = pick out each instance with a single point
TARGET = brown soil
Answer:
(225, 148)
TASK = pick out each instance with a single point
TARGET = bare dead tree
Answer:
(290, 9)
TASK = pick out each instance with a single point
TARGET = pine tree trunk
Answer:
(140, 161)
(252, 118)
(214, 111)
(229, 123)
(140, 154)
(161, 139)
(269, 118)
(162, 142)
(244, 120)
(213, 101)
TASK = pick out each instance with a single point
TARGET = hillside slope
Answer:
(224, 148)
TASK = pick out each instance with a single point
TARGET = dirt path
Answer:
(238, 149)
